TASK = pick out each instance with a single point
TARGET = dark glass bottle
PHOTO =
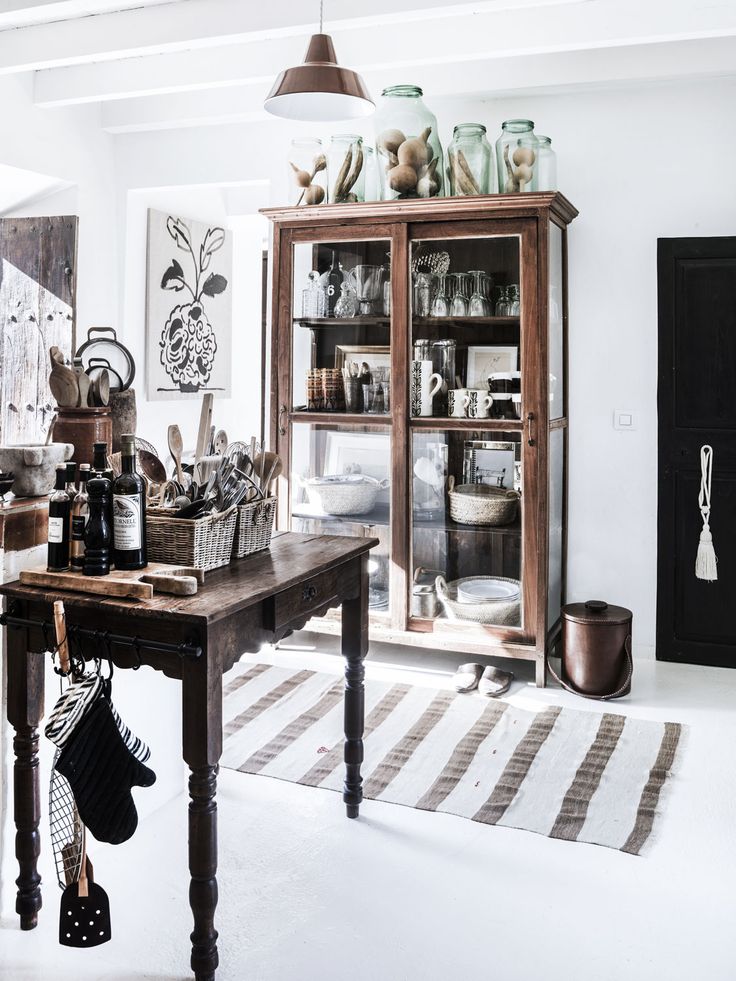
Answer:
(98, 532)
(129, 512)
(80, 516)
(59, 521)
(100, 466)
(334, 282)
(71, 480)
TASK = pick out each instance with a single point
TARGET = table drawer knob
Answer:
(308, 593)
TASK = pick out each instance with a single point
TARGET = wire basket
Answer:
(200, 543)
(255, 525)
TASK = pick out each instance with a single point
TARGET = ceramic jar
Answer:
(407, 145)
(307, 172)
(470, 161)
(346, 169)
(517, 150)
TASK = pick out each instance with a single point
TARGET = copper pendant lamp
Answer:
(319, 90)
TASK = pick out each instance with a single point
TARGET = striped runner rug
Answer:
(582, 776)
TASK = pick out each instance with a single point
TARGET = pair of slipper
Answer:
(489, 681)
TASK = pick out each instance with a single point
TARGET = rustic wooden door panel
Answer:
(697, 405)
(37, 310)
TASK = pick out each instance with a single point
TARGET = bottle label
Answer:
(78, 523)
(56, 531)
(127, 524)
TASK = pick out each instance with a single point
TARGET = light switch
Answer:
(623, 419)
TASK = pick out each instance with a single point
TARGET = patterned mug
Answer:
(424, 386)
(478, 403)
(457, 402)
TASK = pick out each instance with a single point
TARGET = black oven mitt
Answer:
(101, 771)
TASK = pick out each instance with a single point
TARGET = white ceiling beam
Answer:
(465, 37)
(24, 13)
(483, 78)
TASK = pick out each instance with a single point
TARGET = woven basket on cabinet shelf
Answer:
(255, 525)
(480, 504)
(201, 543)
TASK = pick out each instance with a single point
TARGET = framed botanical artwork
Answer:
(487, 360)
(188, 308)
(376, 356)
(492, 462)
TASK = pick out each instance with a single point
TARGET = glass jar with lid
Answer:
(407, 146)
(307, 169)
(470, 161)
(546, 165)
(346, 167)
(517, 150)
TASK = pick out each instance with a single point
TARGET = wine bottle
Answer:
(98, 532)
(334, 282)
(129, 512)
(59, 510)
(80, 516)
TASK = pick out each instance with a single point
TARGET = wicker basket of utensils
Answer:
(254, 528)
(200, 543)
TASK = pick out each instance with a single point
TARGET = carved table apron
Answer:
(242, 606)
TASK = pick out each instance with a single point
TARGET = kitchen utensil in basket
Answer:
(201, 543)
(84, 914)
(255, 526)
(481, 504)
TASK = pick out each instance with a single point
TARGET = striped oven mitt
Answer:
(74, 703)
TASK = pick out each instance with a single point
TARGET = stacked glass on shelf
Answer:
(354, 388)
(463, 294)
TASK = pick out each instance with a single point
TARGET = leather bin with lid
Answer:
(596, 649)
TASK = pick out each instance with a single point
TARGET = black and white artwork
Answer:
(189, 307)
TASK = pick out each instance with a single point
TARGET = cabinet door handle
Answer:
(530, 429)
(282, 428)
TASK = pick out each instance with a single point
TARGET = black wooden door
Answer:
(696, 620)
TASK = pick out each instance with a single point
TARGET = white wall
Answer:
(639, 163)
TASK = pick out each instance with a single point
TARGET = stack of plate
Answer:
(482, 599)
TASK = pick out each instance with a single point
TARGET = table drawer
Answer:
(300, 602)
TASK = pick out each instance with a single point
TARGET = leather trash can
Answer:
(596, 650)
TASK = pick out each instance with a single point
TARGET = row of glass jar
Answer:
(409, 162)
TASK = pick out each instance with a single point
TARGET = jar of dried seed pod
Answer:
(346, 166)
(407, 145)
(307, 172)
(517, 153)
(470, 161)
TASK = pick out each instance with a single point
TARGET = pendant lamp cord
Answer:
(321, 11)
(705, 562)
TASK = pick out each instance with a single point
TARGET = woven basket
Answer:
(480, 504)
(502, 612)
(255, 524)
(201, 543)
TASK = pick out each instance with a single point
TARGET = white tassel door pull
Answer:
(705, 562)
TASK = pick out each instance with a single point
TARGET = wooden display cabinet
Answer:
(513, 239)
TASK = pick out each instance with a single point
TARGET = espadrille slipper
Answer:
(494, 682)
(467, 677)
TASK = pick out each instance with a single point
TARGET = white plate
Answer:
(485, 590)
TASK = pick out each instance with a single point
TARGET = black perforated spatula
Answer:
(84, 917)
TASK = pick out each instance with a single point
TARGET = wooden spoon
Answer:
(152, 467)
(176, 448)
(85, 383)
(221, 442)
(101, 388)
(64, 385)
(266, 465)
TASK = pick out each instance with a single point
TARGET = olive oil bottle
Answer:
(129, 512)
(59, 524)
(80, 516)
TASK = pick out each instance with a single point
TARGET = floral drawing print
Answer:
(188, 341)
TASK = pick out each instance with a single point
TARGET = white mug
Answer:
(457, 402)
(478, 403)
(423, 388)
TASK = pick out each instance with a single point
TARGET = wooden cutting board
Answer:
(139, 584)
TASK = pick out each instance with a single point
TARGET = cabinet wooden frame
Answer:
(400, 223)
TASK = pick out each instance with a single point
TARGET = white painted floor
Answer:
(403, 895)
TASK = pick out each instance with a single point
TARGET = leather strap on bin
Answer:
(622, 688)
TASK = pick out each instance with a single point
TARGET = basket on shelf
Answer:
(201, 543)
(481, 504)
(504, 611)
(255, 525)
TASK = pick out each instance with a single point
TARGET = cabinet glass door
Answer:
(340, 398)
(467, 404)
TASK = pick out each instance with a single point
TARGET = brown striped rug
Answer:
(581, 776)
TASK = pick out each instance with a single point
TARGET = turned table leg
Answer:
(202, 744)
(25, 710)
(354, 649)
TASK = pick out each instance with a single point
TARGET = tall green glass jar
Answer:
(410, 163)
(517, 151)
(470, 161)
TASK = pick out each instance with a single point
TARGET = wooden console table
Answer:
(241, 607)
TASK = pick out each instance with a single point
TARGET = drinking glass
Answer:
(502, 303)
(441, 303)
(423, 294)
(459, 305)
(367, 286)
(514, 301)
(347, 305)
(377, 398)
(479, 305)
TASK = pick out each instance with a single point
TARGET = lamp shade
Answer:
(319, 90)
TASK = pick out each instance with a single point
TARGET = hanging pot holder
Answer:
(71, 708)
